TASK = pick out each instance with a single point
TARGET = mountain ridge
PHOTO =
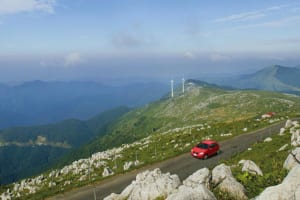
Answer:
(273, 78)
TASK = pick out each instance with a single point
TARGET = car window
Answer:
(202, 146)
(212, 145)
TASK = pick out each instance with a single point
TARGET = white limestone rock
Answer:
(295, 139)
(127, 165)
(287, 190)
(268, 139)
(251, 167)
(297, 193)
(281, 132)
(202, 176)
(222, 177)
(107, 172)
(187, 193)
(283, 147)
(288, 124)
(114, 196)
(5, 196)
(290, 161)
(149, 185)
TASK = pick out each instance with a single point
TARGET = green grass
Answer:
(219, 111)
(267, 157)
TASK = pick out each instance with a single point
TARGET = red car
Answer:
(205, 149)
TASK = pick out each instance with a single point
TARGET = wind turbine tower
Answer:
(183, 85)
(172, 88)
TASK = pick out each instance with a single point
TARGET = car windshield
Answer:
(202, 146)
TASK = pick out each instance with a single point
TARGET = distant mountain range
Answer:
(38, 102)
(274, 78)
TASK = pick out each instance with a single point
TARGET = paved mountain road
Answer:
(183, 165)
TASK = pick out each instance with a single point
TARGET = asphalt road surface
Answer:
(183, 165)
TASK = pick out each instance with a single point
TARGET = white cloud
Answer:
(252, 15)
(242, 17)
(72, 59)
(18, 6)
(271, 24)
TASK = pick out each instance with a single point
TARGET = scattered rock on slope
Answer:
(195, 187)
(295, 139)
(202, 176)
(148, 185)
(291, 160)
(287, 190)
(223, 179)
(251, 167)
(188, 193)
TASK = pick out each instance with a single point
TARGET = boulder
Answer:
(295, 139)
(283, 147)
(127, 165)
(268, 139)
(288, 124)
(188, 193)
(107, 172)
(290, 161)
(281, 132)
(149, 185)
(222, 178)
(251, 167)
(287, 190)
(202, 176)
(297, 193)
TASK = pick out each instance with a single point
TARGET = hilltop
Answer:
(273, 78)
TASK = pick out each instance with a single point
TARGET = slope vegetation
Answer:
(43, 145)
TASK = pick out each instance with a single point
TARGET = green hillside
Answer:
(201, 103)
(44, 145)
(164, 129)
(273, 78)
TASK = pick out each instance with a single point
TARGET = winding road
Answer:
(183, 165)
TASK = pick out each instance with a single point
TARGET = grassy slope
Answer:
(198, 105)
(219, 111)
(74, 133)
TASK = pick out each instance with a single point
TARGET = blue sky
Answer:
(112, 39)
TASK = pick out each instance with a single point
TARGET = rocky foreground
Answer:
(155, 184)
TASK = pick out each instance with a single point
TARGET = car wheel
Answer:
(205, 157)
(218, 152)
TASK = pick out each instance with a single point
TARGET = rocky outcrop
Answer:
(200, 177)
(295, 139)
(188, 193)
(251, 167)
(222, 178)
(149, 185)
(288, 124)
(291, 160)
(195, 187)
(287, 190)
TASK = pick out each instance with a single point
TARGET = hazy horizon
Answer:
(61, 40)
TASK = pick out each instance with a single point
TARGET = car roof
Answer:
(208, 141)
